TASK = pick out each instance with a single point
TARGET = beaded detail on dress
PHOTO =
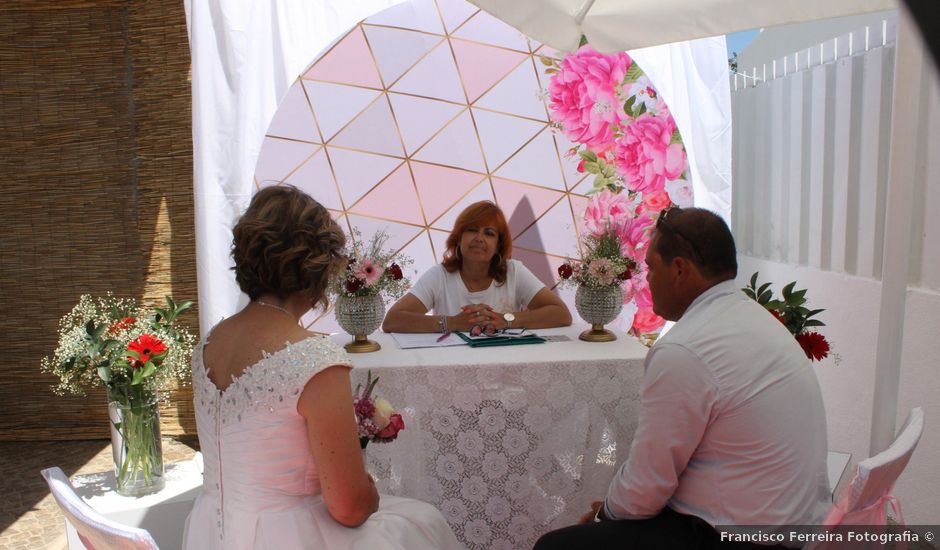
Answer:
(277, 377)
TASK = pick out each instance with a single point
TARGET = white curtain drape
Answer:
(692, 77)
(245, 55)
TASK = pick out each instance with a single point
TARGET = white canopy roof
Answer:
(617, 25)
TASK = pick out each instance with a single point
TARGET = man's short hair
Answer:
(700, 236)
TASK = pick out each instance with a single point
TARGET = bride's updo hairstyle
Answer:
(286, 242)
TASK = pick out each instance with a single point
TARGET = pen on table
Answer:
(442, 337)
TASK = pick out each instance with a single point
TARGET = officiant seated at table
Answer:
(477, 284)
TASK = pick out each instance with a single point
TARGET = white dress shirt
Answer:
(732, 427)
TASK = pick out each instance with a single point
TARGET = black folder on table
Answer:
(497, 340)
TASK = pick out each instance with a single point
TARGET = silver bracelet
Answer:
(442, 324)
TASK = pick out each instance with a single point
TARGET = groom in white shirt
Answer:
(732, 429)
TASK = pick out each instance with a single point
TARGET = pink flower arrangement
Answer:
(370, 270)
(376, 419)
(626, 137)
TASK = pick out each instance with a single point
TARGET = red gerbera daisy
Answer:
(814, 345)
(145, 346)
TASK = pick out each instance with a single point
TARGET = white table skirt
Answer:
(509, 442)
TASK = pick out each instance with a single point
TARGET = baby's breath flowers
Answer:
(111, 342)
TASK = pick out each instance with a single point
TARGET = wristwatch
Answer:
(509, 318)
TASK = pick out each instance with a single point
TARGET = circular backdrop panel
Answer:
(419, 111)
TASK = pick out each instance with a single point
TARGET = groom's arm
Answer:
(676, 403)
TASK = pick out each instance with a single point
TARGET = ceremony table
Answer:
(508, 442)
(163, 513)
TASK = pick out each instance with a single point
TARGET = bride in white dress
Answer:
(282, 464)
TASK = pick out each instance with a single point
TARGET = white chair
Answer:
(865, 500)
(95, 531)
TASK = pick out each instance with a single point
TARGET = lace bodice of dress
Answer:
(276, 379)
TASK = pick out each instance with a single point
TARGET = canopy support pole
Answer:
(908, 80)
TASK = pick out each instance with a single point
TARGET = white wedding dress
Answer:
(260, 488)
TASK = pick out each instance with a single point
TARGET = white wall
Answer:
(810, 176)
(847, 376)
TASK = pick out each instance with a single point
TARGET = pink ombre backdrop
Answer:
(419, 111)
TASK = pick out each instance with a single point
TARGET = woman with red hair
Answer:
(477, 284)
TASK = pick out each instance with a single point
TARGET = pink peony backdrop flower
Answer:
(627, 138)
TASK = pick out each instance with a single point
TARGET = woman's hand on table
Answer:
(483, 315)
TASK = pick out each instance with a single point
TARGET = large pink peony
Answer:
(606, 210)
(584, 98)
(645, 156)
(634, 236)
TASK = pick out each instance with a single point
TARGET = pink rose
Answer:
(646, 322)
(395, 425)
(583, 96)
(654, 202)
(634, 236)
(606, 210)
(645, 156)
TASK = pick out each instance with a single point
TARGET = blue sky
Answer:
(739, 40)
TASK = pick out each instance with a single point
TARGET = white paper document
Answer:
(426, 340)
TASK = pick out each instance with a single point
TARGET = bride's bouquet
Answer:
(376, 418)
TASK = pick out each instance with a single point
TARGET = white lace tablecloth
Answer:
(508, 442)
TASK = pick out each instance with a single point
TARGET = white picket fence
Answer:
(810, 156)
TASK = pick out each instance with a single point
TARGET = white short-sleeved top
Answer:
(445, 293)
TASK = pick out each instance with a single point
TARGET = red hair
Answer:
(480, 214)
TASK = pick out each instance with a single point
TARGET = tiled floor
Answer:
(29, 517)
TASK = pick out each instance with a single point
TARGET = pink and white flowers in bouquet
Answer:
(615, 239)
(371, 270)
(376, 418)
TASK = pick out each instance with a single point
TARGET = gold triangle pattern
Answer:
(382, 150)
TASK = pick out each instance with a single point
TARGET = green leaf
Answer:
(138, 377)
(763, 288)
(814, 323)
(642, 109)
(591, 168)
(628, 106)
(749, 293)
(104, 373)
(787, 290)
(676, 138)
(814, 312)
(775, 304)
(148, 370)
(583, 41)
(134, 354)
(547, 61)
(588, 155)
(633, 73)
(764, 297)
(754, 279)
